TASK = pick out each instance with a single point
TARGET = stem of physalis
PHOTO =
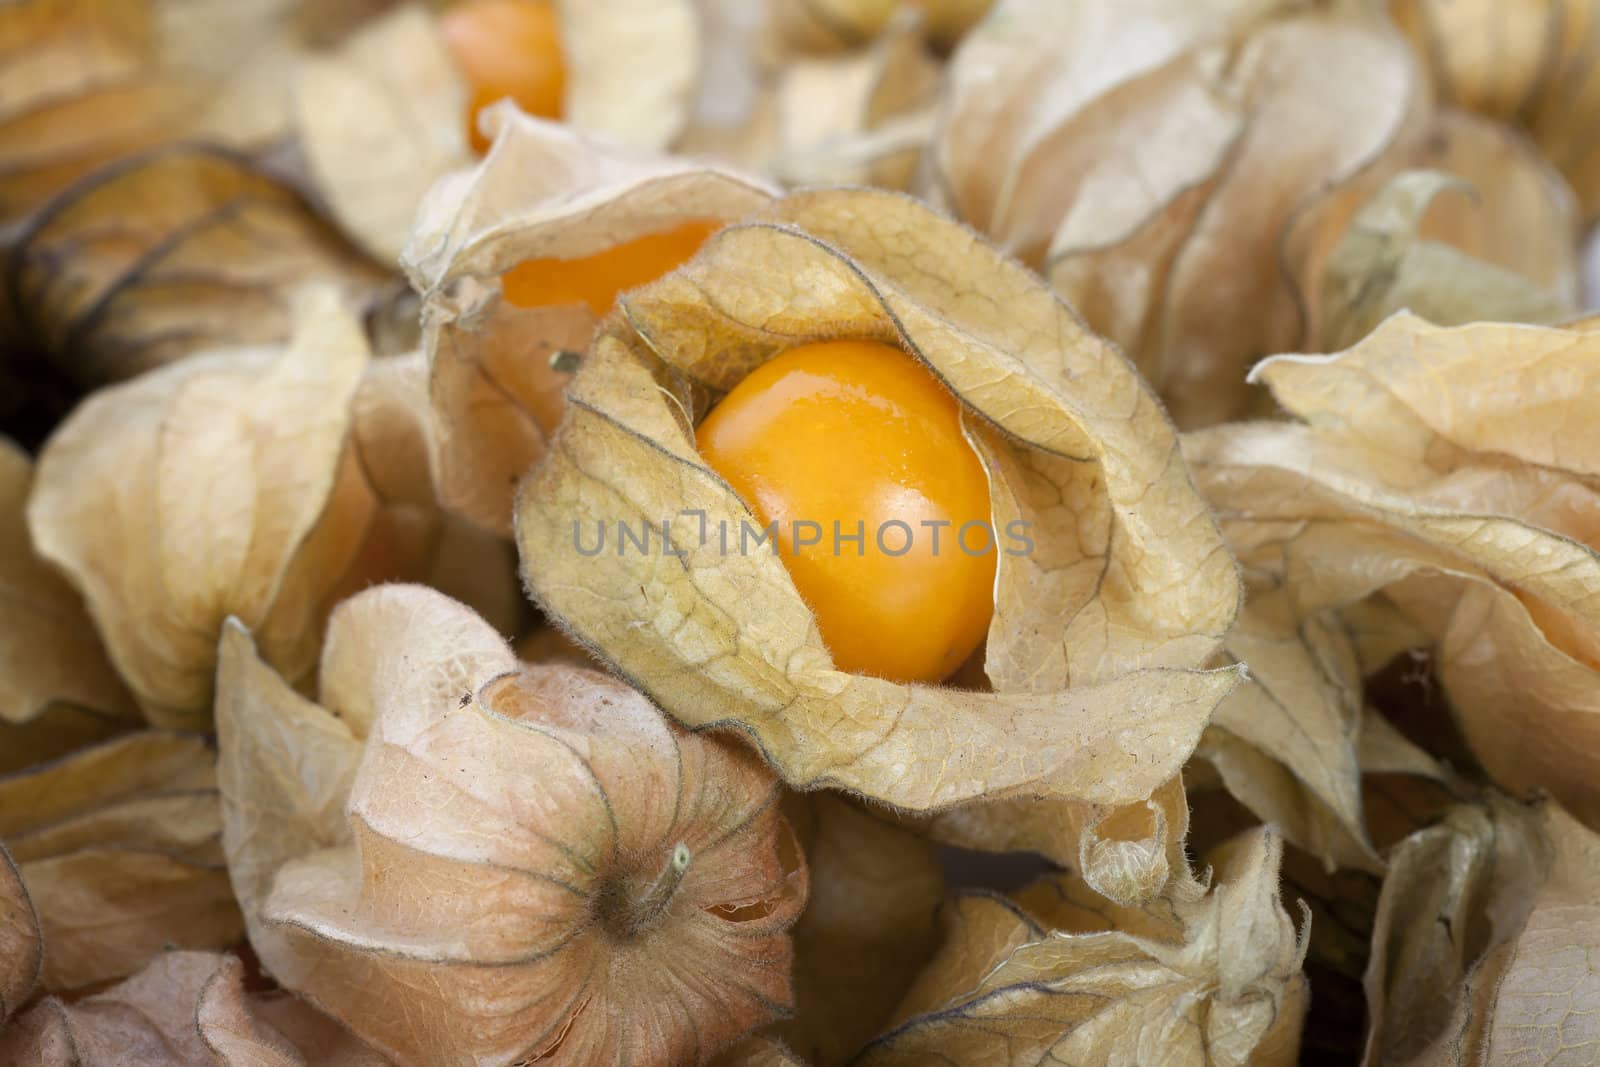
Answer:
(646, 910)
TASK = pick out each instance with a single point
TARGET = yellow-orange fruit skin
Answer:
(862, 435)
(598, 280)
(507, 48)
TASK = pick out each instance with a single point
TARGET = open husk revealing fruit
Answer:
(381, 118)
(265, 483)
(468, 860)
(1096, 635)
(1452, 470)
(483, 256)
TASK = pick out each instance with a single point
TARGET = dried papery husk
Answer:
(543, 192)
(1085, 631)
(868, 927)
(1528, 64)
(948, 20)
(244, 53)
(1380, 633)
(546, 644)
(834, 25)
(379, 121)
(1214, 980)
(174, 251)
(1295, 740)
(1452, 470)
(1485, 940)
(1490, 236)
(21, 943)
(759, 1052)
(1126, 853)
(533, 860)
(79, 90)
(89, 81)
(119, 849)
(58, 691)
(632, 67)
(737, 64)
(1155, 164)
(185, 1009)
(857, 118)
(264, 483)
(1521, 214)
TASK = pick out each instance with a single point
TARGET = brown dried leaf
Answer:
(117, 846)
(1227, 991)
(633, 906)
(186, 1009)
(1156, 165)
(379, 122)
(57, 690)
(632, 66)
(167, 253)
(544, 192)
(260, 483)
(1126, 556)
(868, 927)
(1528, 63)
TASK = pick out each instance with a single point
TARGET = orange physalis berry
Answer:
(834, 439)
(597, 280)
(507, 48)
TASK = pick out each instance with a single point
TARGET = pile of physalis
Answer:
(518, 582)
